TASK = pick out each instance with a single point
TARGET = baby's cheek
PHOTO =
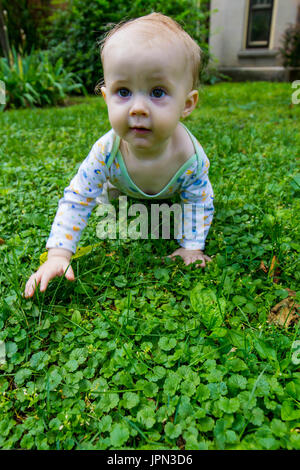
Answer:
(167, 121)
(118, 122)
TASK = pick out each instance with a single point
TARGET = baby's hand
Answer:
(56, 265)
(190, 256)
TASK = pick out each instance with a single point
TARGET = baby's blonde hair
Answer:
(162, 26)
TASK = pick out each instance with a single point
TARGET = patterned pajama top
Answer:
(105, 163)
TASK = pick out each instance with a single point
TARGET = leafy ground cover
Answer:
(144, 353)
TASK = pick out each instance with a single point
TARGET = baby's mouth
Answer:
(140, 130)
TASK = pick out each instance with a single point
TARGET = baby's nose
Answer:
(139, 107)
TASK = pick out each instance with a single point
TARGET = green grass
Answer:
(127, 356)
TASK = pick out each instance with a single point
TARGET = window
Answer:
(259, 23)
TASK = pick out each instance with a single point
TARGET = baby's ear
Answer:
(190, 103)
(103, 91)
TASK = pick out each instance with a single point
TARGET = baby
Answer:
(151, 69)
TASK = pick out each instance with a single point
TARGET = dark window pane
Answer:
(260, 26)
(261, 2)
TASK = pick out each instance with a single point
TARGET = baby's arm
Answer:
(57, 264)
(190, 256)
(197, 197)
(71, 218)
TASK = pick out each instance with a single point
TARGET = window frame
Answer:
(263, 7)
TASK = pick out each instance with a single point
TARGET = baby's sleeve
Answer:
(197, 205)
(79, 198)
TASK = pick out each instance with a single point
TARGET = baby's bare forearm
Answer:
(59, 252)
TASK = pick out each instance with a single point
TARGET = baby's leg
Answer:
(112, 191)
(109, 193)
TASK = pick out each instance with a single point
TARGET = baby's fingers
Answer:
(202, 265)
(205, 259)
(64, 268)
(70, 274)
(45, 279)
(32, 283)
(51, 272)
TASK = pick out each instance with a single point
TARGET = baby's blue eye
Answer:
(123, 92)
(158, 93)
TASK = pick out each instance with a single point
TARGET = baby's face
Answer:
(146, 88)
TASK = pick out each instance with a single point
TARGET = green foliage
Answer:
(135, 364)
(290, 51)
(32, 80)
(26, 21)
(210, 309)
(75, 32)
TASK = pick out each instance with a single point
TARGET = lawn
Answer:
(142, 352)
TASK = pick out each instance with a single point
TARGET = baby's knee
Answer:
(109, 193)
(113, 193)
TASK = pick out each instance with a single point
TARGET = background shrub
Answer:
(75, 31)
(33, 80)
(70, 31)
(26, 21)
(290, 51)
